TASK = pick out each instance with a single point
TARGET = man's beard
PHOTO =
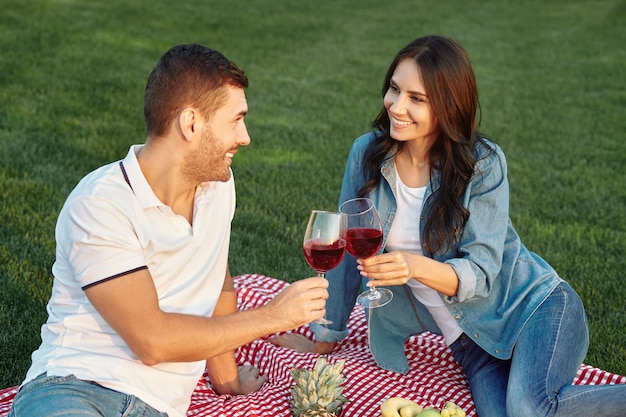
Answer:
(207, 164)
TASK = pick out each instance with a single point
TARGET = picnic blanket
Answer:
(434, 378)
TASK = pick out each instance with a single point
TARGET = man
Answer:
(142, 297)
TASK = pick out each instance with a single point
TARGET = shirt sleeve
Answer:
(97, 240)
(482, 241)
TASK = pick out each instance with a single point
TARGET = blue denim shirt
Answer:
(501, 283)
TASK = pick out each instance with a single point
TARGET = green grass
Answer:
(553, 93)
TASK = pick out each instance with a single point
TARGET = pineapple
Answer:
(317, 393)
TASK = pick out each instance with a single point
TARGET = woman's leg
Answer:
(547, 355)
(487, 376)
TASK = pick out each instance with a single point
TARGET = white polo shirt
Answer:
(113, 224)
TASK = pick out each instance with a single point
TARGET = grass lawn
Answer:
(553, 94)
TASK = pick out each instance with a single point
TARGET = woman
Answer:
(451, 256)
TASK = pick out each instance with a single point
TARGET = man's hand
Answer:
(249, 379)
(300, 303)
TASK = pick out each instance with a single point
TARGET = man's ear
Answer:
(188, 123)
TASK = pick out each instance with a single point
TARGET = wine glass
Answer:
(324, 244)
(365, 236)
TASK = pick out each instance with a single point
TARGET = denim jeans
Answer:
(537, 380)
(70, 396)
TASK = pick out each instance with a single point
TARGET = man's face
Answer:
(221, 136)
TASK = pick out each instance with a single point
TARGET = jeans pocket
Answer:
(458, 349)
(43, 381)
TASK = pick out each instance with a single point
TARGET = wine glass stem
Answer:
(373, 294)
(323, 320)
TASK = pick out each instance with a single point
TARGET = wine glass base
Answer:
(323, 321)
(375, 298)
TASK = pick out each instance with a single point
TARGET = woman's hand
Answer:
(392, 268)
(398, 267)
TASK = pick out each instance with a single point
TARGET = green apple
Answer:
(429, 412)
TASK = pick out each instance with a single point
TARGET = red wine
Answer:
(323, 256)
(364, 242)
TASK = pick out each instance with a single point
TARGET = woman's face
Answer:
(408, 107)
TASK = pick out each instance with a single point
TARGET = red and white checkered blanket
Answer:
(434, 378)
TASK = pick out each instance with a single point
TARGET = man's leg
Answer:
(68, 396)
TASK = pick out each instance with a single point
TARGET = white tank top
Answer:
(405, 235)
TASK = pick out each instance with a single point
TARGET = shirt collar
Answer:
(388, 171)
(138, 181)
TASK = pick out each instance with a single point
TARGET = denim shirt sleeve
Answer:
(480, 247)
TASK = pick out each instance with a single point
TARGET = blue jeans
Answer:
(70, 396)
(537, 380)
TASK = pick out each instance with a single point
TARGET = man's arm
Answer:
(225, 376)
(222, 368)
(130, 305)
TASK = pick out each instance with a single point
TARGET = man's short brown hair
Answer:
(188, 75)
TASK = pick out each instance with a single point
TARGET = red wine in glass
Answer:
(322, 255)
(364, 242)
(324, 244)
(365, 237)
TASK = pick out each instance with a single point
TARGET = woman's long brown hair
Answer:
(450, 84)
